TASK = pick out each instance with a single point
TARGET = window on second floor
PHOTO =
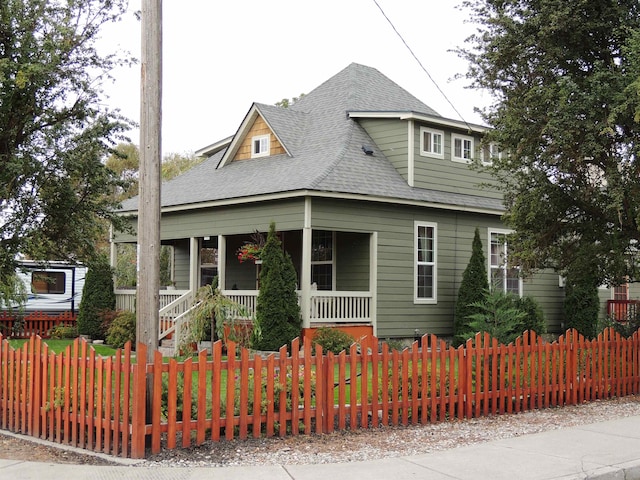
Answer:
(425, 254)
(462, 148)
(260, 146)
(502, 276)
(490, 152)
(431, 142)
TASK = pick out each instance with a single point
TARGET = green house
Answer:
(373, 197)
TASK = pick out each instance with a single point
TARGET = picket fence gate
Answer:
(121, 407)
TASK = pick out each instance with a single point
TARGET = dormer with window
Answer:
(256, 138)
(260, 146)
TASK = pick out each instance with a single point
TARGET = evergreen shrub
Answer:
(277, 308)
(97, 296)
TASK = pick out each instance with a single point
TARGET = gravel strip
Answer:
(362, 445)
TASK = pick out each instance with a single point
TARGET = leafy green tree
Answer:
(277, 309)
(55, 131)
(125, 163)
(175, 164)
(472, 289)
(97, 296)
(286, 102)
(565, 79)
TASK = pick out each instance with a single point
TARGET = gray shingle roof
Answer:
(325, 147)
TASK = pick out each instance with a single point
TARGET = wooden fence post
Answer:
(138, 423)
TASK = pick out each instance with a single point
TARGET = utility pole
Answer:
(148, 303)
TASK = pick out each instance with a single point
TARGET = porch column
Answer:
(222, 256)
(373, 280)
(194, 256)
(305, 271)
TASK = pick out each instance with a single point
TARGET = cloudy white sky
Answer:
(219, 57)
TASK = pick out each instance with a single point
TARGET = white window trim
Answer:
(431, 131)
(462, 138)
(486, 157)
(331, 262)
(419, 300)
(500, 231)
(259, 138)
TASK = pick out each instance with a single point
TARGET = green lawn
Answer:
(59, 345)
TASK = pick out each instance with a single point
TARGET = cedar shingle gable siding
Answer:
(259, 127)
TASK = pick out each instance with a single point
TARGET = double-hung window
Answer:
(425, 256)
(431, 142)
(490, 153)
(322, 259)
(462, 148)
(503, 277)
(260, 146)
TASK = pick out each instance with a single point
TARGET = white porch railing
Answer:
(326, 306)
(170, 313)
(174, 304)
(340, 307)
(126, 298)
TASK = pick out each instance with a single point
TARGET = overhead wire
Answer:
(421, 65)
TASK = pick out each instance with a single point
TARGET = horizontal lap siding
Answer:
(545, 288)
(397, 315)
(390, 136)
(352, 262)
(449, 176)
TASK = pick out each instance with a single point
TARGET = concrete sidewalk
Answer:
(607, 450)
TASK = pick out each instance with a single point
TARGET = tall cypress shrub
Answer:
(97, 296)
(277, 308)
(472, 290)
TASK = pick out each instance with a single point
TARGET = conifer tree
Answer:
(472, 290)
(97, 296)
(277, 309)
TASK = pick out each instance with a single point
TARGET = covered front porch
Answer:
(335, 271)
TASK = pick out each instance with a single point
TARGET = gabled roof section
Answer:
(322, 152)
(260, 120)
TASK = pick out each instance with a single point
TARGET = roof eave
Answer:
(423, 117)
(324, 194)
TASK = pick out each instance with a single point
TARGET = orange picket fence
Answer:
(120, 407)
(33, 323)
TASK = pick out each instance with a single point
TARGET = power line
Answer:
(420, 63)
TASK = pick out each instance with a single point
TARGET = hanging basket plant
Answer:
(250, 251)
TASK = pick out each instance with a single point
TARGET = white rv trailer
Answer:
(53, 288)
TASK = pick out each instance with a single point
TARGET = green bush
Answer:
(534, 315)
(332, 340)
(97, 296)
(498, 315)
(64, 331)
(122, 330)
